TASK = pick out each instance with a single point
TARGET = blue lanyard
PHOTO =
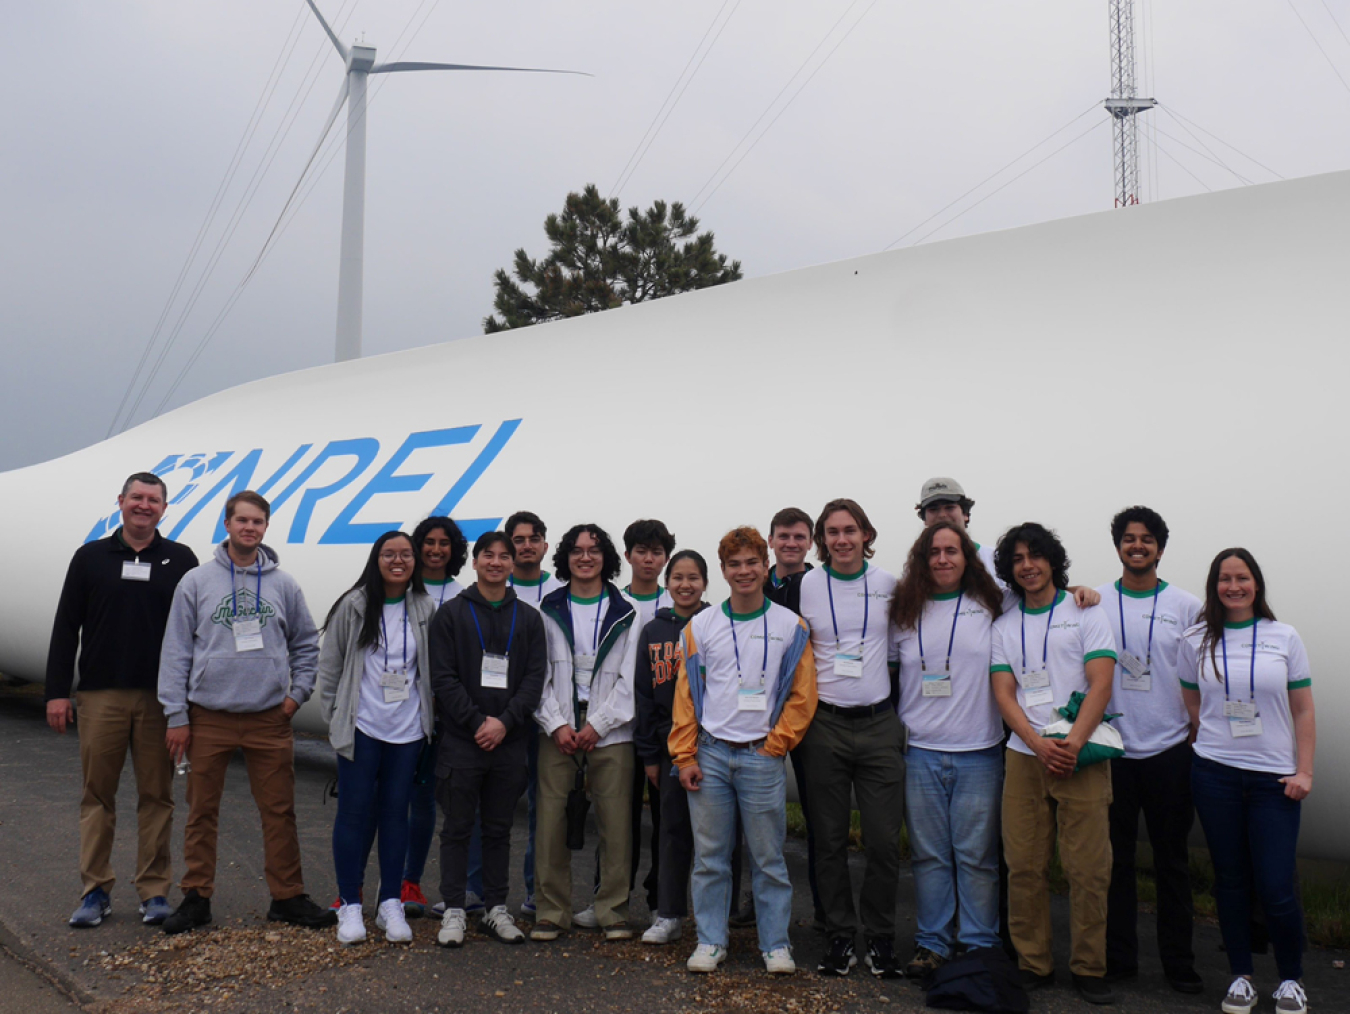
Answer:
(867, 602)
(441, 601)
(234, 596)
(1045, 646)
(1120, 601)
(510, 638)
(1223, 640)
(385, 636)
(764, 668)
(923, 666)
(595, 634)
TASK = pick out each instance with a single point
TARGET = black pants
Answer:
(491, 793)
(653, 878)
(1160, 786)
(677, 844)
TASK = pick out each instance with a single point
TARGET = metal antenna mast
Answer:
(1123, 104)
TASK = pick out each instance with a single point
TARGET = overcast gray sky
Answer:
(124, 117)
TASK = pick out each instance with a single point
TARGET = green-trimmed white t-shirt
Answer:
(532, 592)
(874, 685)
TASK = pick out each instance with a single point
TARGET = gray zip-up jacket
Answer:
(198, 663)
(342, 666)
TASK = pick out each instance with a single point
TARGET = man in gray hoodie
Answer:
(239, 658)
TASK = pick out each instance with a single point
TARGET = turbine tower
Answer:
(1123, 104)
(360, 63)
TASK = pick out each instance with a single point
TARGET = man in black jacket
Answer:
(488, 659)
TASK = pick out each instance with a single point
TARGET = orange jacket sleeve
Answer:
(683, 740)
(799, 709)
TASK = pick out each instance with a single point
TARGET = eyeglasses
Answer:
(580, 552)
(396, 557)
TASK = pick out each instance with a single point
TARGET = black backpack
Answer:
(984, 979)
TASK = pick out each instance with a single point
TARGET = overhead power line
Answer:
(1182, 165)
(1325, 55)
(1174, 112)
(1210, 157)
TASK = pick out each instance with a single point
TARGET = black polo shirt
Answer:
(788, 592)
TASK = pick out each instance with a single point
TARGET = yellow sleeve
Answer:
(683, 740)
(799, 709)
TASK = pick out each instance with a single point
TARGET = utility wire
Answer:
(1184, 169)
(1172, 111)
(1211, 157)
(1335, 22)
(1325, 55)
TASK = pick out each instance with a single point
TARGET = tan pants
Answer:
(109, 722)
(609, 775)
(269, 754)
(1034, 806)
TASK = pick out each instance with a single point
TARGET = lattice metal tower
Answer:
(1123, 104)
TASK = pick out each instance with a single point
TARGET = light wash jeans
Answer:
(951, 806)
(756, 785)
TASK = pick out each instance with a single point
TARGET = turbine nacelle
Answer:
(360, 59)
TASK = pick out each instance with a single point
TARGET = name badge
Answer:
(248, 633)
(1036, 688)
(395, 685)
(937, 684)
(583, 667)
(752, 700)
(1240, 727)
(1141, 681)
(494, 672)
(1132, 664)
(133, 571)
(850, 664)
(1245, 710)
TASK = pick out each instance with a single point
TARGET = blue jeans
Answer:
(1251, 827)
(531, 793)
(374, 790)
(756, 786)
(952, 804)
(421, 826)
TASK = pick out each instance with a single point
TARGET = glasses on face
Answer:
(579, 552)
(403, 557)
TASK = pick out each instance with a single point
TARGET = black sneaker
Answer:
(193, 913)
(881, 958)
(1185, 980)
(743, 916)
(1093, 989)
(923, 964)
(1119, 974)
(301, 911)
(1030, 980)
(839, 958)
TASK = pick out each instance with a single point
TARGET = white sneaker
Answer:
(779, 961)
(351, 925)
(472, 903)
(1241, 998)
(391, 919)
(586, 918)
(452, 928)
(498, 923)
(1290, 998)
(663, 931)
(706, 958)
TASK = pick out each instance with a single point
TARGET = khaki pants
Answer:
(269, 754)
(609, 778)
(1034, 806)
(109, 722)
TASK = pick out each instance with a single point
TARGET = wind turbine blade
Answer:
(388, 68)
(342, 50)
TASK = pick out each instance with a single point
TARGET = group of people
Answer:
(979, 699)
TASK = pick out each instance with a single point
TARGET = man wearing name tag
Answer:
(113, 608)
(1155, 774)
(853, 745)
(1041, 653)
(487, 671)
(240, 656)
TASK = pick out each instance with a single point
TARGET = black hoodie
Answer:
(658, 665)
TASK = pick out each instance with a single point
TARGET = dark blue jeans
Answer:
(373, 789)
(421, 818)
(1251, 827)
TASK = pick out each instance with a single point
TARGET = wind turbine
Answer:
(360, 63)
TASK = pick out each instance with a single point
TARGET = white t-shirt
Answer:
(588, 621)
(711, 634)
(1281, 665)
(865, 595)
(1060, 639)
(442, 592)
(532, 592)
(647, 605)
(396, 651)
(966, 719)
(986, 555)
(1152, 714)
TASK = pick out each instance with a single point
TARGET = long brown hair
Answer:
(1214, 614)
(916, 584)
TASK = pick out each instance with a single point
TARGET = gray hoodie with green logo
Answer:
(199, 664)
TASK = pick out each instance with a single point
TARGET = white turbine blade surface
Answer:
(388, 68)
(342, 50)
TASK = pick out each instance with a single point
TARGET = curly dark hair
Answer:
(1040, 541)
(1150, 519)
(610, 568)
(459, 545)
(916, 586)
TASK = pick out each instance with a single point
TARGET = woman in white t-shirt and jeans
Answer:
(1246, 683)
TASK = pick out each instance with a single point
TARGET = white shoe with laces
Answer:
(779, 961)
(498, 923)
(1241, 998)
(1290, 998)
(663, 931)
(391, 919)
(351, 927)
(706, 958)
(586, 918)
(452, 928)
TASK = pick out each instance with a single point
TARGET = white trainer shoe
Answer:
(663, 931)
(394, 922)
(452, 928)
(586, 918)
(1241, 998)
(779, 961)
(706, 958)
(351, 927)
(1290, 998)
(498, 923)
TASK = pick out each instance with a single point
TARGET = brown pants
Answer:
(269, 754)
(1034, 805)
(109, 722)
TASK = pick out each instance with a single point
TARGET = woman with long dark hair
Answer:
(375, 692)
(1247, 685)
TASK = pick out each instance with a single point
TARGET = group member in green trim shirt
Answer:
(1041, 653)
(529, 535)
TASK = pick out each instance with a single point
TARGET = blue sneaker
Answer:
(94, 908)
(527, 906)
(155, 910)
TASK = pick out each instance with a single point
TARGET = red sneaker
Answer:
(337, 902)
(415, 903)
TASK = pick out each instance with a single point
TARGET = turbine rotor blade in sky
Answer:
(342, 50)
(386, 68)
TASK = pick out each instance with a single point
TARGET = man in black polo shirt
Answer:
(113, 610)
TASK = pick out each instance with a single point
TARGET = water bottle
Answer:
(182, 767)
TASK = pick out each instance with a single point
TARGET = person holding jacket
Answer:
(239, 658)
(488, 663)
(375, 694)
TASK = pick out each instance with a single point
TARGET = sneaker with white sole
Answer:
(706, 958)
(499, 924)
(351, 927)
(451, 933)
(472, 903)
(779, 961)
(527, 906)
(391, 919)
(1241, 998)
(663, 931)
(1290, 998)
(585, 919)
